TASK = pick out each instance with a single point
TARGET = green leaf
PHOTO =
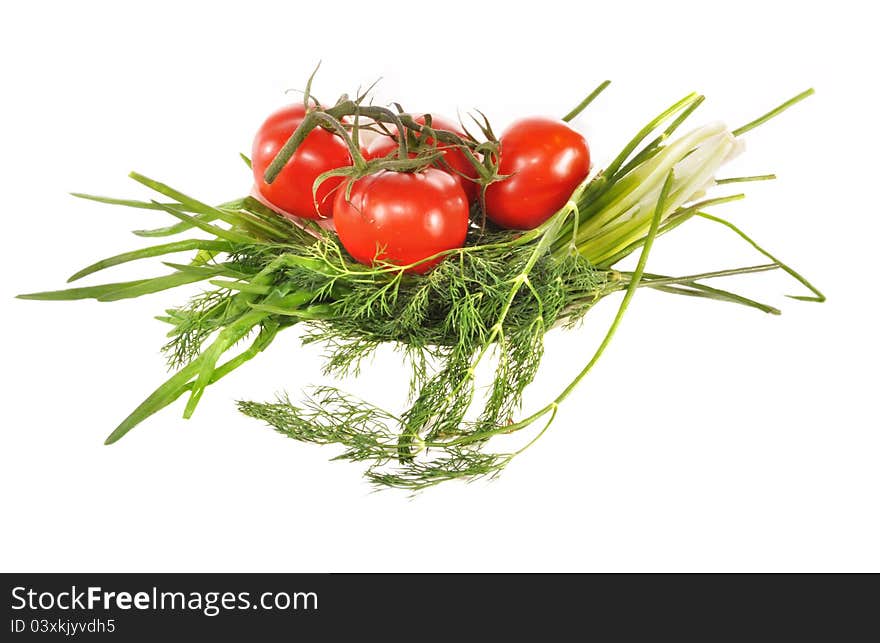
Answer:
(154, 285)
(153, 205)
(630, 147)
(707, 292)
(172, 389)
(182, 381)
(153, 251)
(209, 358)
(129, 289)
(222, 233)
(206, 271)
(177, 228)
(130, 203)
(584, 103)
(189, 203)
(773, 112)
(88, 292)
(817, 294)
(745, 179)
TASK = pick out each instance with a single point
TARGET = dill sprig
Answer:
(490, 302)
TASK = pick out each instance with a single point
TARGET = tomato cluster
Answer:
(410, 218)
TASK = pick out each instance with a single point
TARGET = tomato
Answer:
(546, 160)
(402, 217)
(291, 191)
(382, 146)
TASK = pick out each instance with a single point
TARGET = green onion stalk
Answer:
(492, 300)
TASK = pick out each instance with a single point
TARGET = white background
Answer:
(710, 437)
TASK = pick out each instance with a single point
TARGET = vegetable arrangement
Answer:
(457, 248)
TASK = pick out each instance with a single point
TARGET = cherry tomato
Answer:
(402, 217)
(291, 191)
(547, 160)
(382, 146)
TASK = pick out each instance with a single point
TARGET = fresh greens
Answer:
(493, 299)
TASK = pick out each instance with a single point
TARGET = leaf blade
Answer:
(152, 251)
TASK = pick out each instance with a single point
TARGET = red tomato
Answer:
(402, 217)
(382, 146)
(547, 160)
(321, 151)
